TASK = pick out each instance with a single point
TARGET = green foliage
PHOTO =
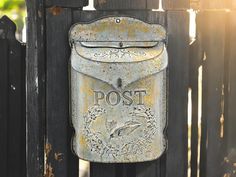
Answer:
(14, 9)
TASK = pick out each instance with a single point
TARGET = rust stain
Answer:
(82, 140)
(48, 148)
(55, 10)
(58, 156)
(49, 171)
(48, 167)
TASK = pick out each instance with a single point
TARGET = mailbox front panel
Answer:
(118, 105)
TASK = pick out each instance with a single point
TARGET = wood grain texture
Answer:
(213, 44)
(59, 129)
(231, 119)
(67, 3)
(16, 110)
(126, 4)
(35, 96)
(12, 113)
(230, 96)
(195, 58)
(175, 4)
(177, 131)
(3, 104)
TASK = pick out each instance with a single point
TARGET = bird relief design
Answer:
(118, 142)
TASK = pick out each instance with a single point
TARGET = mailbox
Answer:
(118, 90)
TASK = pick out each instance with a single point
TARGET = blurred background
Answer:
(16, 11)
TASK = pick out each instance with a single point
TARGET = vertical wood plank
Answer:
(175, 4)
(67, 3)
(215, 4)
(35, 85)
(12, 101)
(177, 132)
(231, 119)
(16, 110)
(194, 63)
(3, 104)
(59, 129)
(230, 93)
(126, 4)
(213, 43)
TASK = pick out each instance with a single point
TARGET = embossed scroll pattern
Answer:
(140, 145)
(119, 53)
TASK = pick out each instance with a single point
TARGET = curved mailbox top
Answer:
(118, 47)
(115, 29)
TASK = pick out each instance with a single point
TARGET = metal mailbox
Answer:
(118, 90)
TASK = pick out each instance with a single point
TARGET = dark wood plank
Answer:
(151, 169)
(194, 62)
(67, 3)
(175, 4)
(230, 94)
(3, 104)
(125, 4)
(13, 102)
(177, 131)
(35, 79)
(213, 44)
(16, 110)
(59, 129)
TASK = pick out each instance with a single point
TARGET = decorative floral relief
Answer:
(119, 53)
(140, 145)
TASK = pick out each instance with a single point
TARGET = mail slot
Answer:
(118, 90)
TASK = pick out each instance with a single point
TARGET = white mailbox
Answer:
(118, 90)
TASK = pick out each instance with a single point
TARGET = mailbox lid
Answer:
(121, 48)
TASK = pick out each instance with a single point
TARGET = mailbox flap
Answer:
(127, 51)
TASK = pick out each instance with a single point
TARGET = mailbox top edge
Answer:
(125, 29)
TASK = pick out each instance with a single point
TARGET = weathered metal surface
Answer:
(118, 90)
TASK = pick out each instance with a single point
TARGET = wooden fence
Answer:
(206, 68)
(12, 102)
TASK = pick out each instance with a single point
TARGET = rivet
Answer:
(117, 20)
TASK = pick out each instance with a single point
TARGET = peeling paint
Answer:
(49, 171)
(13, 87)
(48, 148)
(37, 85)
(58, 156)
(48, 167)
